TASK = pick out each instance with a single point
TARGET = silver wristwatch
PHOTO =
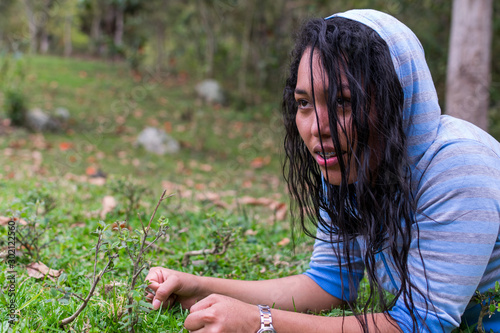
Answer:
(266, 321)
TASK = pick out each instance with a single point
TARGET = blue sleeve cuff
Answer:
(331, 280)
(433, 323)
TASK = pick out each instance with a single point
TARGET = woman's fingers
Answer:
(201, 314)
(165, 291)
(218, 313)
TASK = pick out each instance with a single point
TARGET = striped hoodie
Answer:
(456, 169)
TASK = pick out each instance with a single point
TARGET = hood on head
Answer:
(421, 109)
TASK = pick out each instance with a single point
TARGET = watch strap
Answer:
(266, 320)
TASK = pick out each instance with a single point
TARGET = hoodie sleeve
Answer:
(329, 271)
(458, 219)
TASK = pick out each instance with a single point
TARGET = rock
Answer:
(62, 114)
(39, 121)
(210, 91)
(157, 141)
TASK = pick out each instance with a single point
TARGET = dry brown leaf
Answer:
(250, 232)
(212, 197)
(284, 241)
(259, 162)
(108, 204)
(63, 146)
(206, 167)
(91, 170)
(99, 181)
(281, 213)
(255, 201)
(167, 126)
(39, 270)
(4, 220)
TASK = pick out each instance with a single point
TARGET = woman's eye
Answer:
(341, 101)
(302, 104)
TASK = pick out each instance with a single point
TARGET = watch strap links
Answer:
(266, 320)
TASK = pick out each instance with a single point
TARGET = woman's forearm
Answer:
(293, 293)
(285, 321)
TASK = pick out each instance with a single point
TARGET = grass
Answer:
(226, 155)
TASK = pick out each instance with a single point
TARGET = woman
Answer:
(394, 191)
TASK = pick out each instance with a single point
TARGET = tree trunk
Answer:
(160, 46)
(469, 61)
(44, 41)
(210, 38)
(68, 45)
(95, 30)
(245, 49)
(32, 25)
(118, 38)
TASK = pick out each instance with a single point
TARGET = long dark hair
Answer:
(378, 206)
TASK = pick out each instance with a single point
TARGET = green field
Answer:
(226, 178)
(225, 183)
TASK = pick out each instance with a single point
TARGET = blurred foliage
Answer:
(12, 78)
(243, 44)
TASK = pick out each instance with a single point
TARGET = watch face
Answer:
(268, 330)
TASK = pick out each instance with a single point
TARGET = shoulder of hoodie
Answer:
(463, 149)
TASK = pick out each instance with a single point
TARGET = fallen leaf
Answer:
(109, 287)
(63, 146)
(255, 201)
(138, 113)
(284, 241)
(250, 232)
(4, 220)
(108, 204)
(277, 262)
(99, 181)
(167, 126)
(38, 270)
(259, 162)
(206, 167)
(91, 170)
(281, 212)
(247, 184)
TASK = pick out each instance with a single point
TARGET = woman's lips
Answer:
(326, 161)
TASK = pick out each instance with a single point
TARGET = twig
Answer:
(157, 248)
(138, 261)
(97, 278)
(214, 251)
(156, 208)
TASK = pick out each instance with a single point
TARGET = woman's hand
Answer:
(171, 286)
(218, 313)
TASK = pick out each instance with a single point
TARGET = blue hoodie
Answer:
(456, 183)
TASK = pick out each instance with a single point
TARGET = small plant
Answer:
(15, 105)
(136, 245)
(490, 304)
(12, 74)
(101, 246)
(31, 228)
(131, 192)
(44, 198)
(222, 236)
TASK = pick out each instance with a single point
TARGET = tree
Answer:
(39, 15)
(469, 61)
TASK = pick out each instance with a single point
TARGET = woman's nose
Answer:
(321, 125)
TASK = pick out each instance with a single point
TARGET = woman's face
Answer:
(315, 131)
